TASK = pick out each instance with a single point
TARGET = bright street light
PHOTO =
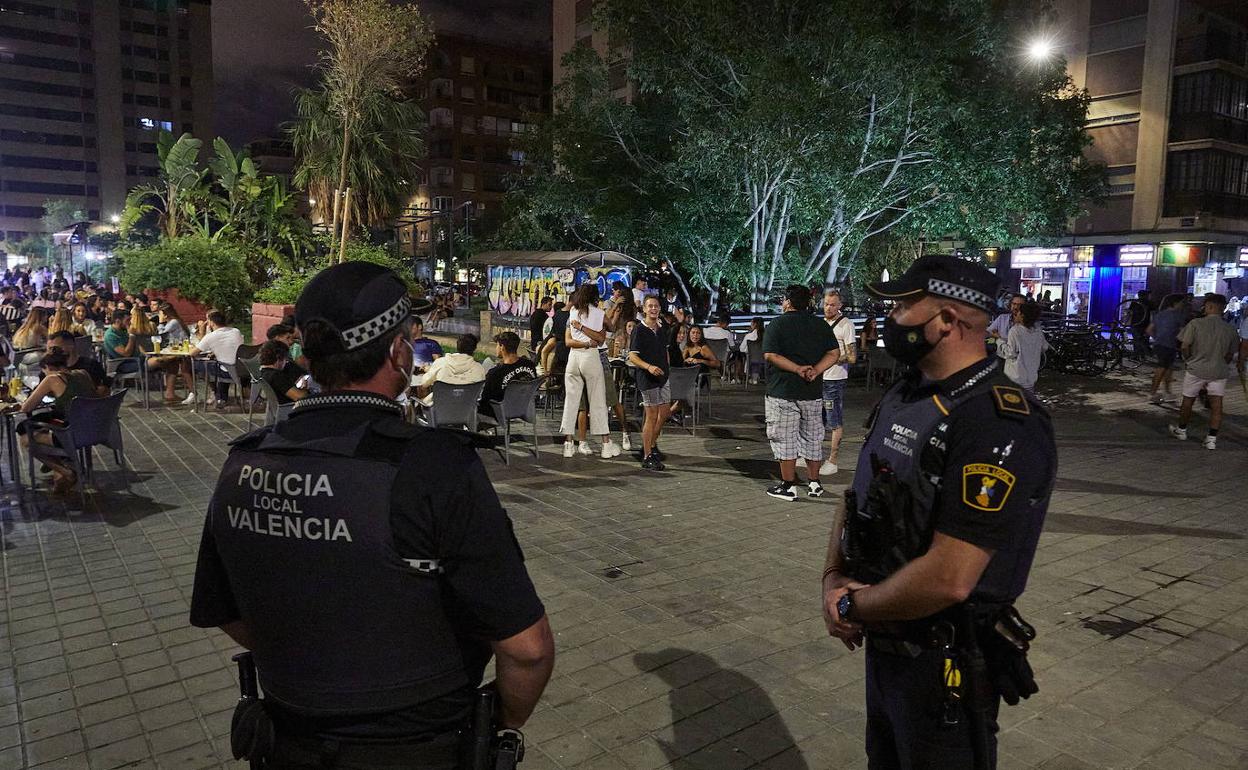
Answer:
(114, 218)
(1041, 49)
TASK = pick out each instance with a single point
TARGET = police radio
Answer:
(882, 532)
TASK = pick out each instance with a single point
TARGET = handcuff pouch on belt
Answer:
(985, 653)
(1004, 637)
(883, 532)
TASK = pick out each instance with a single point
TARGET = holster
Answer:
(252, 735)
(491, 748)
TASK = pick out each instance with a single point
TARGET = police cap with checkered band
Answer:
(943, 275)
(362, 301)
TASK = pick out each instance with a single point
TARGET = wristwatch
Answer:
(845, 607)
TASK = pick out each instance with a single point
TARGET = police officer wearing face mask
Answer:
(940, 528)
(367, 564)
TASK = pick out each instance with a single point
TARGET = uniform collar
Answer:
(959, 382)
(348, 398)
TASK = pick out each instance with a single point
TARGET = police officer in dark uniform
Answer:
(940, 528)
(367, 564)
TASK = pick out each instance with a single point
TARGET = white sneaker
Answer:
(610, 449)
(189, 400)
(625, 444)
(828, 468)
(584, 449)
(568, 449)
(1179, 433)
(1211, 442)
(210, 400)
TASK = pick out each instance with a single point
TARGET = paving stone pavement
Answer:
(685, 604)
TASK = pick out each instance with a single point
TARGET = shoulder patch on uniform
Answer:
(1010, 399)
(985, 487)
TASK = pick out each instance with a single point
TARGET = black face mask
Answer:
(907, 344)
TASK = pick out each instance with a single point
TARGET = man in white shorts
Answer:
(1209, 344)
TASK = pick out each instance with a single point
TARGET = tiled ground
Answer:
(685, 603)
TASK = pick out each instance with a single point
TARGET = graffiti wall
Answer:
(516, 291)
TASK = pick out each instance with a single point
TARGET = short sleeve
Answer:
(996, 470)
(489, 590)
(771, 336)
(212, 600)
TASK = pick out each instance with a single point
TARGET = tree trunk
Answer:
(346, 224)
(342, 175)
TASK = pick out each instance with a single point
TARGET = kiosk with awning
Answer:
(517, 280)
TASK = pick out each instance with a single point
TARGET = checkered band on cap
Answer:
(960, 293)
(359, 336)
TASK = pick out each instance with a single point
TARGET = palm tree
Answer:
(383, 165)
(373, 50)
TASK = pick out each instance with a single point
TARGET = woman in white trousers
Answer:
(584, 373)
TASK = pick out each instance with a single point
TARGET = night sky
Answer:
(263, 48)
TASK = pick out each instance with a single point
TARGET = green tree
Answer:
(374, 48)
(384, 163)
(775, 154)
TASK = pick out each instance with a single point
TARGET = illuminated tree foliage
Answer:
(767, 141)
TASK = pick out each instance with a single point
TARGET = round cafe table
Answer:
(187, 354)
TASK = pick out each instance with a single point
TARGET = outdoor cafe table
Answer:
(187, 354)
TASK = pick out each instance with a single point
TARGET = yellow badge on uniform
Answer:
(985, 487)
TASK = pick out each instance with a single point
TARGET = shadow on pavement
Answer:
(1074, 524)
(679, 668)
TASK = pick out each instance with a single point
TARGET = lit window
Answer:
(467, 65)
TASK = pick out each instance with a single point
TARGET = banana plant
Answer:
(179, 194)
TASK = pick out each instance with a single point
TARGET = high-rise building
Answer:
(85, 85)
(480, 97)
(1168, 80)
(572, 24)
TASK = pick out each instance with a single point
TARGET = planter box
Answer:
(264, 316)
(191, 312)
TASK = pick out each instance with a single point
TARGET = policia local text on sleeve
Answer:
(367, 564)
(939, 529)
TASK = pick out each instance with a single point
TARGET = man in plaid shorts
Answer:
(798, 347)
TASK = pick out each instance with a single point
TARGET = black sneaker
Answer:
(814, 489)
(783, 491)
(658, 453)
(652, 463)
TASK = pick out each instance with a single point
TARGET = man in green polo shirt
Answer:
(798, 347)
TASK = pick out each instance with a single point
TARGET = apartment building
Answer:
(572, 24)
(479, 96)
(1168, 81)
(85, 85)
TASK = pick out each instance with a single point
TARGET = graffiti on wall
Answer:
(516, 291)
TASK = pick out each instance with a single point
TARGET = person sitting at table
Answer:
(118, 344)
(424, 350)
(140, 324)
(697, 353)
(222, 342)
(63, 385)
(172, 332)
(65, 342)
(34, 330)
(63, 321)
(458, 368)
(171, 328)
(83, 318)
(282, 374)
(511, 367)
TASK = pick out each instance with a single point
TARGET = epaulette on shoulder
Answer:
(1010, 401)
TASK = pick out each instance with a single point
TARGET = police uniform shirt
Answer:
(443, 506)
(996, 459)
